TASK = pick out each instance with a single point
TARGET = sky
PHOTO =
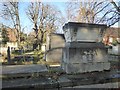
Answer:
(25, 22)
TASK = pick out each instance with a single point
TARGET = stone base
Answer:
(84, 55)
(85, 67)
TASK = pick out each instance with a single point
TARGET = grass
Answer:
(36, 54)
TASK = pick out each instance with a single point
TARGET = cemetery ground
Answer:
(50, 76)
(24, 58)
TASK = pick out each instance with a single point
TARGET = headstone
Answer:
(84, 51)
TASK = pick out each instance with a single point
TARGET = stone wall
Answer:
(54, 55)
(55, 44)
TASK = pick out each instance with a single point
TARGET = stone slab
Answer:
(27, 83)
(105, 85)
(85, 67)
(17, 69)
(64, 81)
(83, 32)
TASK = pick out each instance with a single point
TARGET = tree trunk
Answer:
(41, 41)
(35, 45)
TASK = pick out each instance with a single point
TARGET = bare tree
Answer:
(116, 12)
(70, 11)
(11, 12)
(94, 12)
(115, 5)
(44, 18)
(33, 14)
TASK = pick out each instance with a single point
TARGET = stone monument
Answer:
(84, 50)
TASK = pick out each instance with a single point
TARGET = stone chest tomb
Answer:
(84, 51)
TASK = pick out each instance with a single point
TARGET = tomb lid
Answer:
(79, 24)
(85, 45)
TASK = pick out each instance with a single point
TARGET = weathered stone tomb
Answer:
(84, 50)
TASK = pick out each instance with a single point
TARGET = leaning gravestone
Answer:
(84, 51)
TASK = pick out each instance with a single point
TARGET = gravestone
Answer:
(8, 55)
(84, 51)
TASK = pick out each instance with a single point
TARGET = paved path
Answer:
(16, 69)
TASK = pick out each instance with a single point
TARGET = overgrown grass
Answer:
(36, 56)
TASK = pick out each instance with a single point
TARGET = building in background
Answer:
(12, 40)
(111, 36)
